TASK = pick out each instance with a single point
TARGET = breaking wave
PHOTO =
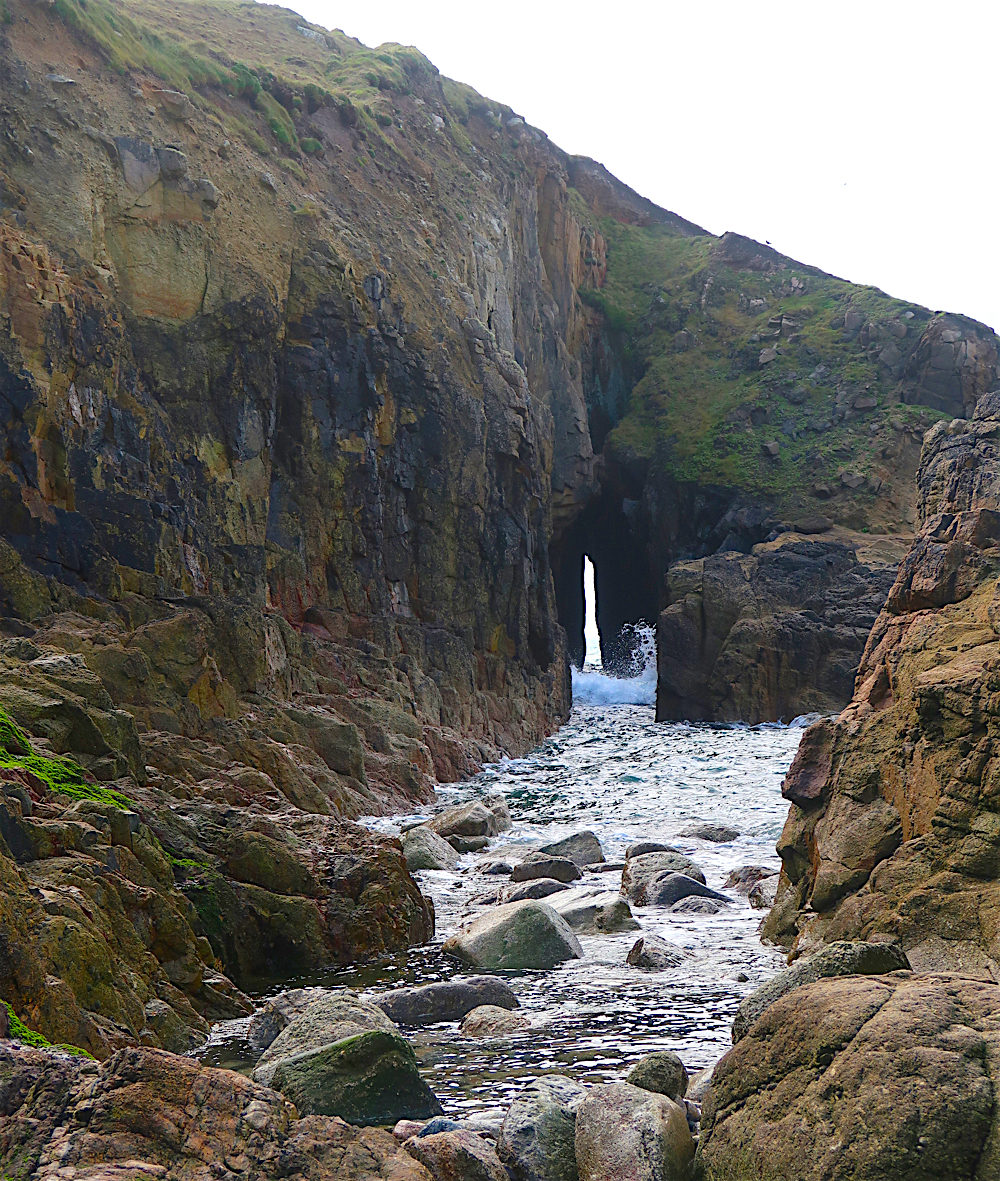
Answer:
(637, 686)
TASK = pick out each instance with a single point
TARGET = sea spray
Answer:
(593, 686)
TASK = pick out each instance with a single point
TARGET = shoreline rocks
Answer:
(448, 1000)
(526, 934)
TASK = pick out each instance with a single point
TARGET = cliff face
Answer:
(319, 374)
(893, 824)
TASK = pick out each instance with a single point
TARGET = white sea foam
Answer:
(593, 686)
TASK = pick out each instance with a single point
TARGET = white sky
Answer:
(858, 137)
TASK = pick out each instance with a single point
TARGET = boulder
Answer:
(468, 844)
(641, 869)
(637, 848)
(582, 848)
(718, 833)
(669, 888)
(590, 910)
(537, 1141)
(696, 906)
(743, 879)
(424, 849)
(762, 894)
(624, 1133)
(527, 934)
(492, 1021)
(650, 951)
(540, 865)
(447, 1000)
(698, 1084)
(662, 1072)
(478, 818)
(279, 1011)
(329, 1018)
(867, 1077)
(458, 1155)
(837, 959)
(536, 888)
(369, 1079)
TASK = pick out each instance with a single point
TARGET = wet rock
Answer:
(591, 911)
(537, 1141)
(497, 868)
(468, 844)
(448, 1000)
(662, 1072)
(650, 951)
(719, 833)
(368, 1079)
(329, 1018)
(625, 1132)
(491, 1021)
(582, 848)
(893, 1076)
(278, 1012)
(424, 849)
(743, 879)
(638, 848)
(698, 1084)
(527, 934)
(478, 818)
(762, 894)
(457, 1155)
(540, 865)
(696, 906)
(668, 888)
(842, 958)
(536, 888)
(642, 869)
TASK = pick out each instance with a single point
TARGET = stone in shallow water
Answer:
(719, 833)
(637, 848)
(536, 888)
(540, 865)
(662, 1072)
(537, 1139)
(329, 1018)
(478, 818)
(743, 879)
(640, 870)
(423, 848)
(527, 934)
(468, 844)
(491, 1021)
(368, 1079)
(696, 906)
(582, 848)
(653, 952)
(624, 1132)
(669, 888)
(446, 1000)
(590, 910)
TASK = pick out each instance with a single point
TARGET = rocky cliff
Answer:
(319, 374)
(893, 826)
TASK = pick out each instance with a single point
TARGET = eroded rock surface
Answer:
(893, 829)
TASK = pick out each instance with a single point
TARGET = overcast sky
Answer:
(858, 137)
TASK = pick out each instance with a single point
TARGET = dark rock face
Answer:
(865, 1077)
(772, 634)
(892, 826)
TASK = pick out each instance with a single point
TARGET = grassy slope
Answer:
(708, 409)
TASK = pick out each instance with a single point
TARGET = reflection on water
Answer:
(611, 769)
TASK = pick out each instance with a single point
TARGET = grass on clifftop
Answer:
(62, 776)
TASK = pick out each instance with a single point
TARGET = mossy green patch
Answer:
(61, 775)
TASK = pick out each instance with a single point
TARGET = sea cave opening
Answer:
(604, 586)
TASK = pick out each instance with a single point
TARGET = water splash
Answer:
(593, 686)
